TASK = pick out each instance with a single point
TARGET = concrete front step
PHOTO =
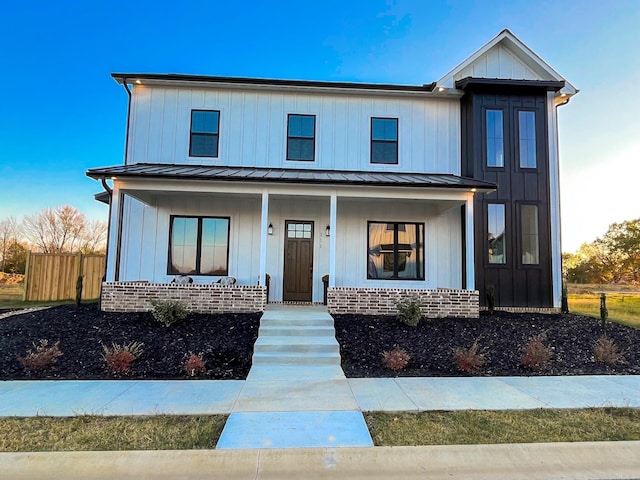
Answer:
(292, 358)
(325, 321)
(298, 344)
(295, 331)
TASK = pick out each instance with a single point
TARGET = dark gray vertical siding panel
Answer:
(515, 284)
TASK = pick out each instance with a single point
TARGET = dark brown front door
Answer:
(298, 261)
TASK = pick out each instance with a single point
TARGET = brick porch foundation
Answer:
(436, 303)
(135, 297)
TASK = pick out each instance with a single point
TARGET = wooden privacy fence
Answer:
(54, 276)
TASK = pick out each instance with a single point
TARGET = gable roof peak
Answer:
(506, 57)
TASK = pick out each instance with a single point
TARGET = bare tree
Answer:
(94, 237)
(63, 229)
(9, 232)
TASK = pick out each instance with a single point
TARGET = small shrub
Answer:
(194, 365)
(41, 357)
(606, 351)
(396, 359)
(119, 357)
(470, 359)
(169, 312)
(536, 354)
(409, 311)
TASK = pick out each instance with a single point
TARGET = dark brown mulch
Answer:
(226, 342)
(501, 337)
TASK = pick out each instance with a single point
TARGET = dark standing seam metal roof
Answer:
(289, 175)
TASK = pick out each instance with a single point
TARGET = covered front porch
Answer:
(373, 242)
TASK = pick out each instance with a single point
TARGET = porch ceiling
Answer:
(289, 176)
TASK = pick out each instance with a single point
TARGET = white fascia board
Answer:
(145, 189)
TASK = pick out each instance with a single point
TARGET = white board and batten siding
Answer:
(145, 239)
(145, 242)
(253, 128)
(443, 244)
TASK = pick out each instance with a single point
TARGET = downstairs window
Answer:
(395, 251)
(199, 246)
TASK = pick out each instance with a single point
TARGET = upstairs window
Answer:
(204, 133)
(495, 138)
(301, 137)
(395, 251)
(527, 138)
(496, 233)
(199, 246)
(530, 235)
(384, 140)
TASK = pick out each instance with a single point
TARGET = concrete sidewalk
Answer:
(206, 397)
(597, 460)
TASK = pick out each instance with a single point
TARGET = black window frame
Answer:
(215, 134)
(295, 137)
(197, 271)
(536, 139)
(521, 242)
(485, 139)
(507, 235)
(421, 263)
(374, 141)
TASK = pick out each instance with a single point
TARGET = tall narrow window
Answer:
(496, 233)
(395, 251)
(301, 137)
(527, 138)
(384, 140)
(204, 133)
(495, 139)
(199, 246)
(530, 236)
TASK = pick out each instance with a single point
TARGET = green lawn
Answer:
(162, 432)
(11, 297)
(622, 307)
(508, 426)
(165, 432)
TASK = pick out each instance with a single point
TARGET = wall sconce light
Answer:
(327, 231)
(270, 229)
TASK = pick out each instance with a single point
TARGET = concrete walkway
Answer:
(205, 397)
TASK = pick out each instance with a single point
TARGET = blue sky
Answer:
(61, 112)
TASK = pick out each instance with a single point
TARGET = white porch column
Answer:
(114, 232)
(333, 217)
(471, 271)
(264, 223)
(554, 200)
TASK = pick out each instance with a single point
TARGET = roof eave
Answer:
(173, 79)
(119, 172)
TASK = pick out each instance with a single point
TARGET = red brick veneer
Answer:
(382, 301)
(135, 297)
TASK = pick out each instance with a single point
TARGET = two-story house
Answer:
(357, 194)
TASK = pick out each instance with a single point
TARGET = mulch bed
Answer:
(226, 343)
(501, 338)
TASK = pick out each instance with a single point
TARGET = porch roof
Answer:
(289, 175)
